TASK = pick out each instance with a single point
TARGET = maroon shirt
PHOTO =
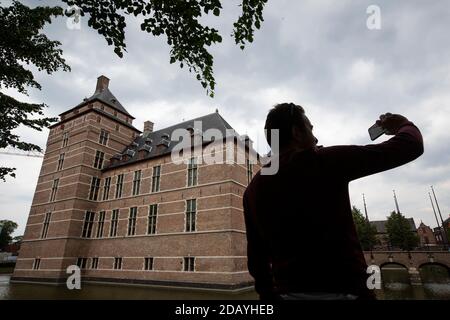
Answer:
(300, 232)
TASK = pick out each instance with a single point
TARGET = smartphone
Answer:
(375, 131)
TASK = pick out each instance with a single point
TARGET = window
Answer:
(94, 263)
(191, 207)
(152, 213)
(60, 161)
(117, 263)
(119, 186)
(98, 160)
(88, 223)
(249, 171)
(65, 140)
(104, 136)
(95, 186)
(54, 190)
(132, 221)
(106, 188)
(81, 263)
(192, 172)
(36, 264)
(117, 127)
(156, 178)
(114, 222)
(101, 223)
(46, 224)
(148, 263)
(189, 263)
(136, 182)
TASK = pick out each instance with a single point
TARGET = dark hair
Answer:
(284, 116)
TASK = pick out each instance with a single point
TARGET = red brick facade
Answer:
(57, 233)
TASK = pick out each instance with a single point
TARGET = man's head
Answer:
(295, 129)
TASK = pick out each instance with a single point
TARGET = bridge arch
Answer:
(436, 263)
(393, 263)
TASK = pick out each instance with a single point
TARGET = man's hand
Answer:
(391, 122)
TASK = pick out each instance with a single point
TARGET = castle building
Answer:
(112, 200)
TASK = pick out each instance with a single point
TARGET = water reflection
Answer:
(396, 283)
(391, 290)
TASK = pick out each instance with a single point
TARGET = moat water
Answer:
(395, 286)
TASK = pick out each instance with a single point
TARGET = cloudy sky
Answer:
(319, 54)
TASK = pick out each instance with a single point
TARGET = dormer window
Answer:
(165, 141)
(130, 153)
(144, 150)
(134, 144)
(148, 141)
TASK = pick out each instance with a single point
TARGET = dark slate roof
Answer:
(107, 98)
(162, 137)
(381, 225)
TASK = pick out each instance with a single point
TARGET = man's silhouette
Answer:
(302, 242)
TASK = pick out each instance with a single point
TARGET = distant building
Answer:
(111, 200)
(438, 234)
(426, 235)
(12, 248)
(382, 236)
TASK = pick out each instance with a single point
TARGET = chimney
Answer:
(102, 84)
(148, 126)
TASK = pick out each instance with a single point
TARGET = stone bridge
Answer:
(411, 260)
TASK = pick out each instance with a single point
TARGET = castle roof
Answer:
(158, 143)
(104, 95)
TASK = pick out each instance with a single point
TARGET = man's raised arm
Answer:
(358, 161)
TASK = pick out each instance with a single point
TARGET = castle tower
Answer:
(68, 188)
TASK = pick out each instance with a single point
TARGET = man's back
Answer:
(301, 236)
